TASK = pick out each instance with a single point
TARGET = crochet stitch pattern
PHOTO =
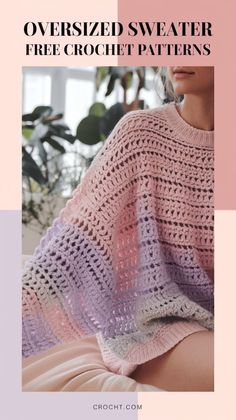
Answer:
(130, 257)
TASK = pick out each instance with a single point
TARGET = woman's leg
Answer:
(189, 366)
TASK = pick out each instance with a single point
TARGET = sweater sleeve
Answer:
(68, 281)
(90, 273)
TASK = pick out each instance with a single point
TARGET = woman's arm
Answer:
(189, 366)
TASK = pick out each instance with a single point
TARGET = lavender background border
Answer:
(39, 405)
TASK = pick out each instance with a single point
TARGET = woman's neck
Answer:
(198, 111)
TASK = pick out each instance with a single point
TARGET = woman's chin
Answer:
(180, 92)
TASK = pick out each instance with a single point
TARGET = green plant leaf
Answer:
(29, 117)
(61, 131)
(27, 132)
(30, 168)
(101, 74)
(55, 145)
(88, 130)
(111, 83)
(98, 109)
(38, 112)
(61, 126)
(42, 111)
(110, 119)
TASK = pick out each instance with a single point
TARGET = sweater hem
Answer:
(163, 341)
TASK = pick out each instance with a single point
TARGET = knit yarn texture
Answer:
(130, 258)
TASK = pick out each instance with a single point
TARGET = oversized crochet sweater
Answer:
(130, 257)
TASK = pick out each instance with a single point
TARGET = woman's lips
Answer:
(182, 74)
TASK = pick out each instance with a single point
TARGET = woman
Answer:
(130, 257)
(189, 365)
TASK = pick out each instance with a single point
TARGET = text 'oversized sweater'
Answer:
(130, 257)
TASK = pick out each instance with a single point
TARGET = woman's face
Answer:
(191, 80)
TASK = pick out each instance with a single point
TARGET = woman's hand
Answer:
(189, 366)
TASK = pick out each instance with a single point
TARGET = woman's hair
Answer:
(168, 89)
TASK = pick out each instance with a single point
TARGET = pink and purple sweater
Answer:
(130, 257)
